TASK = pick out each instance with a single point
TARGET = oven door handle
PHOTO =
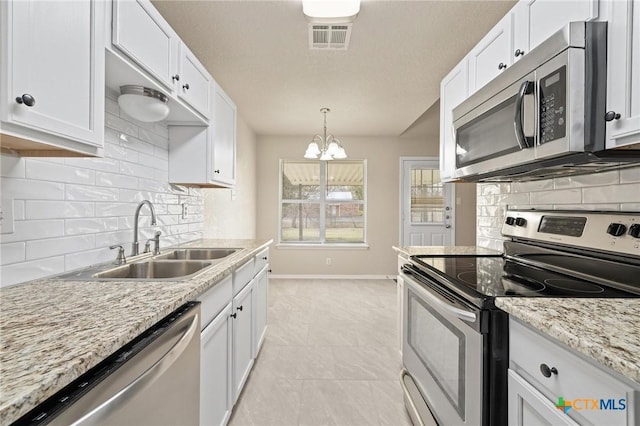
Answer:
(438, 301)
(526, 88)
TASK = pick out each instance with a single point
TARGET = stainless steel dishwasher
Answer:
(153, 380)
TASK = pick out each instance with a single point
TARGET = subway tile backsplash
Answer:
(68, 211)
(617, 190)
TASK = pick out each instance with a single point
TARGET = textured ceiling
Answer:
(390, 75)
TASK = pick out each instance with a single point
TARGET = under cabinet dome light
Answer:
(143, 104)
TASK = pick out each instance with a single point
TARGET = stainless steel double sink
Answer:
(180, 263)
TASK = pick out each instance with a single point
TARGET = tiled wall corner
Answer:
(68, 211)
(617, 190)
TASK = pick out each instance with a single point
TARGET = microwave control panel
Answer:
(553, 105)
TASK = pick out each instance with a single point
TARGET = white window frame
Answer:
(322, 203)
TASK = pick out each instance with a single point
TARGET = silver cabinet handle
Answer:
(147, 378)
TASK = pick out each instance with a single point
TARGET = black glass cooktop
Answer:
(496, 276)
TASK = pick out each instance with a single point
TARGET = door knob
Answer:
(186, 86)
(26, 99)
(502, 66)
(447, 226)
(175, 78)
(518, 52)
(609, 116)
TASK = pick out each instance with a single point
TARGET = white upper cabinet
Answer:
(224, 143)
(52, 77)
(527, 24)
(535, 20)
(453, 90)
(491, 56)
(142, 34)
(194, 84)
(623, 90)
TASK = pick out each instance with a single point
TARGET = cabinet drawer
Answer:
(574, 379)
(242, 276)
(262, 259)
(214, 300)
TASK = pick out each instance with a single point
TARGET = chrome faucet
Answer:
(135, 247)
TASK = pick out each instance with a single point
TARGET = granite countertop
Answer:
(53, 331)
(604, 330)
(445, 250)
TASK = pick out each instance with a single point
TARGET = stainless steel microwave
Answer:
(544, 116)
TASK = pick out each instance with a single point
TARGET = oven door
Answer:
(498, 133)
(442, 350)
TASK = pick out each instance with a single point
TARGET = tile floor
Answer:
(330, 357)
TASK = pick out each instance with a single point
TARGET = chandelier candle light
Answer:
(327, 146)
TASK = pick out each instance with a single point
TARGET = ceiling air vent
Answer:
(329, 36)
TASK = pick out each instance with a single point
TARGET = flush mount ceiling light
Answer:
(333, 10)
(143, 104)
(326, 146)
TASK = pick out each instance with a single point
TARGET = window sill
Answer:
(303, 246)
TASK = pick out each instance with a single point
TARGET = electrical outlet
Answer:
(185, 210)
(328, 261)
(6, 216)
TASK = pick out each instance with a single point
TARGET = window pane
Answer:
(344, 223)
(345, 181)
(427, 202)
(300, 222)
(300, 180)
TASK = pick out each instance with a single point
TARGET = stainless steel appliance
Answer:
(455, 343)
(154, 380)
(544, 116)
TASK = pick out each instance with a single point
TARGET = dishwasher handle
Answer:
(146, 378)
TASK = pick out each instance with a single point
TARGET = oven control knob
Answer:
(616, 229)
(634, 230)
(521, 221)
(510, 220)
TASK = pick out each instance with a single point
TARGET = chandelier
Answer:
(326, 146)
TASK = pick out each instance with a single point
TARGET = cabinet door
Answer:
(224, 143)
(545, 17)
(623, 91)
(242, 339)
(141, 33)
(260, 306)
(491, 56)
(53, 55)
(215, 370)
(453, 90)
(528, 407)
(194, 86)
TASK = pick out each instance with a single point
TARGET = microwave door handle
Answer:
(525, 142)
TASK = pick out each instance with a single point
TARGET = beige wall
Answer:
(383, 162)
(232, 213)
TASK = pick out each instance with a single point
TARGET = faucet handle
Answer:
(121, 259)
(156, 239)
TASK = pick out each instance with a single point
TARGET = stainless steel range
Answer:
(455, 342)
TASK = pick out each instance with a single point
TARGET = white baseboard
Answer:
(333, 277)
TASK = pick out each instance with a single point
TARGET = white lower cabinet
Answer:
(216, 398)
(545, 376)
(234, 321)
(260, 302)
(528, 407)
(242, 319)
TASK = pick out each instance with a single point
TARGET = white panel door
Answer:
(224, 142)
(427, 205)
(491, 56)
(215, 370)
(55, 72)
(242, 339)
(548, 16)
(453, 90)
